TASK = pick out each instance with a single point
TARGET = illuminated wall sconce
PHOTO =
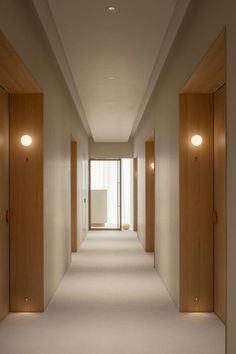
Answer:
(152, 165)
(196, 140)
(26, 140)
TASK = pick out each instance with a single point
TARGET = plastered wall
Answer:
(110, 150)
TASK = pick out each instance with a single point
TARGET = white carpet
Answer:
(111, 301)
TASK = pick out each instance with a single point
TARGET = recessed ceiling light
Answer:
(111, 8)
(111, 78)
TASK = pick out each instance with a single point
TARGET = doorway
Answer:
(203, 235)
(105, 211)
(220, 232)
(150, 193)
(21, 186)
(4, 203)
(135, 193)
(73, 165)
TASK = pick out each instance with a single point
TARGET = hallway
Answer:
(111, 301)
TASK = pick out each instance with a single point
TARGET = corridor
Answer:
(111, 301)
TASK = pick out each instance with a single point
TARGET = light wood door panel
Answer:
(196, 203)
(210, 74)
(150, 196)
(14, 76)
(74, 196)
(220, 202)
(26, 204)
(135, 186)
(4, 203)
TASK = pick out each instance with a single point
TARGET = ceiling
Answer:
(113, 58)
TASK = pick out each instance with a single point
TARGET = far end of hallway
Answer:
(111, 300)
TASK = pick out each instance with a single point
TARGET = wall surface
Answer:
(204, 20)
(20, 25)
(110, 150)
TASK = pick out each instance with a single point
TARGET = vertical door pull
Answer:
(214, 217)
(8, 217)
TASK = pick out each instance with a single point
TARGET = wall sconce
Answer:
(152, 165)
(196, 140)
(26, 140)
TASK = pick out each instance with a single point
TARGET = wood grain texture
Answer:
(211, 72)
(74, 246)
(135, 192)
(4, 203)
(14, 76)
(26, 204)
(220, 238)
(150, 196)
(196, 203)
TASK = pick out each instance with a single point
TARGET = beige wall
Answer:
(110, 150)
(22, 28)
(204, 21)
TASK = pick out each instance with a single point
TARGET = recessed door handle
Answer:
(214, 217)
(8, 217)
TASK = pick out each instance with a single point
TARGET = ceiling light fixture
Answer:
(111, 78)
(111, 8)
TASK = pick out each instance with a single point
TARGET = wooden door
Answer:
(26, 204)
(196, 203)
(4, 203)
(150, 196)
(135, 186)
(220, 202)
(74, 196)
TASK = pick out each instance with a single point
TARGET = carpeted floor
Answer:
(111, 301)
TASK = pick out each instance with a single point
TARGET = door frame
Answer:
(74, 195)
(150, 193)
(5, 203)
(26, 178)
(105, 229)
(135, 193)
(206, 79)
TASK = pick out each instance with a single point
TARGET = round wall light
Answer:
(196, 140)
(26, 140)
